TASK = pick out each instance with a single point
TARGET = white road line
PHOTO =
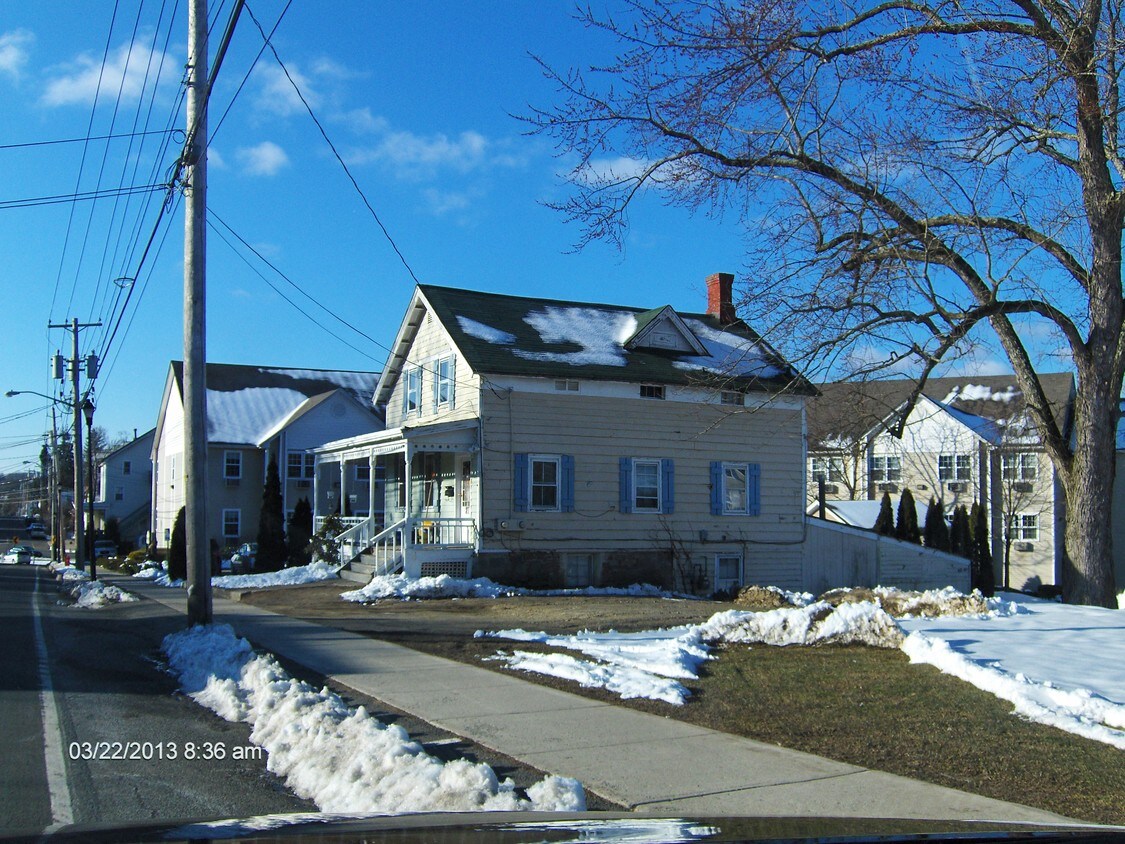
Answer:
(62, 813)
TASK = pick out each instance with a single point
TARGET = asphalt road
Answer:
(96, 732)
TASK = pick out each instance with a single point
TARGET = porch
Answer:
(421, 500)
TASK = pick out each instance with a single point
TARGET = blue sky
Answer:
(420, 105)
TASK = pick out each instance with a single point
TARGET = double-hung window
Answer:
(1019, 466)
(412, 391)
(735, 488)
(886, 467)
(300, 466)
(232, 465)
(828, 469)
(647, 485)
(232, 524)
(443, 382)
(544, 482)
(955, 467)
(1026, 527)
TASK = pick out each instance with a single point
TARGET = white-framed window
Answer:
(232, 523)
(646, 486)
(652, 391)
(1019, 466)
(127, 467)
(728, 571)
(1025, 526)
(886, 467)
(232, 465)
(544, 477)
(732, 397)
(443, 382)
(955, 467)
(300, 466)
(567, 385)
(736, 489)
(412, 391)
(827, 469)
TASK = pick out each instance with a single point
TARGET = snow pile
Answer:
(159, 575)
(771, 597)
(1121, 601)
(341, 758)
(400, 586)
(630, 665)
(93, 594)
(650, 664)
(933, 603)
(285, 577)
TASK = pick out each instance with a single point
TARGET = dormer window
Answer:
(652, 391)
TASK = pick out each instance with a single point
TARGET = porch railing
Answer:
(387, 548)
(446, 533)
(346, 521)
(356, 538)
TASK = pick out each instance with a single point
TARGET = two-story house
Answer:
(125, 481)
(554, 443)
(253, 413)
(965, 440)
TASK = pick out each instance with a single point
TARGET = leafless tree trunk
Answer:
(924, 176)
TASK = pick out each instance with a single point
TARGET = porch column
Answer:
(343, 487)
(316, 491)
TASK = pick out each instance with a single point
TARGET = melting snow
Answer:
(341, 758)
(244, 416)
(728, 354)
(979, 392)
(485, 332)
(600, 334)
(443, 586)
(285, 577)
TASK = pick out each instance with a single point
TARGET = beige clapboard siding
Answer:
(431, 343)
(598, 431)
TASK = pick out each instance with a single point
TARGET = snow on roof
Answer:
(244, 416)
(986, 429)
(359, 383)
(600, 333)
(485, 332)
(728, 354)
(864, 514)
(980, 392)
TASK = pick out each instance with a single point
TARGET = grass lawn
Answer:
(871, 707)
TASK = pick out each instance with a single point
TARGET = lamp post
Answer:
(88, 412)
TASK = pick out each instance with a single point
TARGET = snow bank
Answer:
(341, 758)
(285, 577)
(863, 623)
(159, 575)
(400, 586)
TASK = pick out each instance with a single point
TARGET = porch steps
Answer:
(361, 569)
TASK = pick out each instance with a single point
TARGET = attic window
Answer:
(652, 391)
(732, 397)
(567, 385)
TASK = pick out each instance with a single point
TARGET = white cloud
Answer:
(276, 93)
(444, 202)
(13, 50)
(264, 159)
(602, 171)
(125, 69)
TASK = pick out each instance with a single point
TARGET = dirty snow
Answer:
(94, 594)
(601, 335)
(339, 757)
(285, 577)
(400, 586)
(485, 332)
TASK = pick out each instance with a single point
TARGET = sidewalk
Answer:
(639, 760)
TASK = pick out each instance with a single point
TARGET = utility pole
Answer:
(195, 356)
(75, 376)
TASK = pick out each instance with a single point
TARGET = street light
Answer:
(88, 412)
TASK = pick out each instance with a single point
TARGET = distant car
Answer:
(19, 555)
(243, 559)
(36, 530)
(104, 548)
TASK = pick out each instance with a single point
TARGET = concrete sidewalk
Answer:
(639, 760)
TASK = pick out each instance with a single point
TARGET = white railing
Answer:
(387, 548)
(347, 522)
(356, 538)
(447, 533)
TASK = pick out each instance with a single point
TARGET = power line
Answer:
(84, 196)
(112, 137)
(332, 146)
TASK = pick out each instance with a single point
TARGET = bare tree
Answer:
(924, 171)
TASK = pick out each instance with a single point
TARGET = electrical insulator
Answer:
(58, 367)
(91, 366)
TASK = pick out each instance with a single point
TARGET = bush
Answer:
(177, 553)
(323, 544)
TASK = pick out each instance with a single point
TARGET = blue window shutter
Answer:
(668, 485)
(626, 485)
(567, 483)
(520, 483)
(754, 494)
(716, 488)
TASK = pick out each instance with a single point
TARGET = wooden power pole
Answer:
(195, 333)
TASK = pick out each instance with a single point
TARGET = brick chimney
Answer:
(719, 301)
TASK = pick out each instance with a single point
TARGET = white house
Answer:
(125, 481)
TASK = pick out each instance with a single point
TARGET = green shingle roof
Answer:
(516, 335)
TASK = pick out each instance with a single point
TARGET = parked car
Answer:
(104, 548)
(19, 555)
(36, 530)
(242, 560)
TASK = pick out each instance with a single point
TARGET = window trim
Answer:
(448, 381)
(555, 460)
(654, 391)
(1021, 528)
(522, 476)
(1024, 466)
(227, 455)
(832, 471)
(745, 509)
(729, 556)
(884, 473)
(126, 467)
(412, 386)
(307, 468)
(956, 471)
(227, 511)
